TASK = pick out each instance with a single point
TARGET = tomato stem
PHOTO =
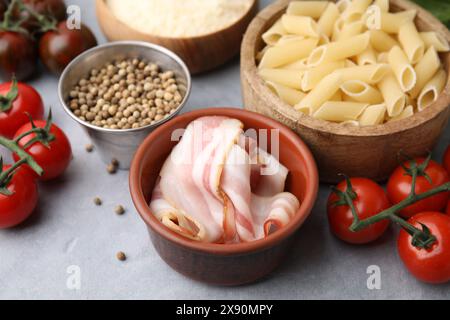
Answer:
(6, 101)
(8, 23)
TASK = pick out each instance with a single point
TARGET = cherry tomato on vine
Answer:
(57, 48)
(55, 9)
(446, 161)
(18, 206)
(53, 159)
(18, 55)
(16, 103)
(448, 208)
(430, 265)
(370, 200)
(399, 187)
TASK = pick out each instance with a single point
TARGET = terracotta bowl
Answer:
(201, 53)
(231, 264)
(368, 151)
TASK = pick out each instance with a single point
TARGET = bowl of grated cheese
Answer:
(204, 33)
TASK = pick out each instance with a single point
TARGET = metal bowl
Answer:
(114, 143)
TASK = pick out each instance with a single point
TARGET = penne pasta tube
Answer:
(324, 90)
(432, 90)
(411, 42)
(288, 95)
(381, 41)
(340, 50)
(342, 5)
(288, 78)
(297, 65)
(383, 57)
(367, 57)
(392, 94)
(313, 9)
(274, 34)
(314, 75)
(425, 69)
(356, 9)
(373, 115)
(261, 54)
(340, 111)
(300, 25)
(403, 71)
(349, 63)
(337, 96)
(288, 52)
(349, 30)
(406, 113)
(370, 74)
(388, 22)
(362, 92)
(436, 40)
(289, 38)
(328, 19)
(382, 4)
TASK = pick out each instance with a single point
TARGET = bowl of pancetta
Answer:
(222, 192)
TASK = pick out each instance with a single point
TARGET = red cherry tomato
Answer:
(18, 55)
(28, 101)
(399, 187)
(446, 161)
(57, 48)
(448, 208)
(55, 159)
(17, 207)
(429, 265)
(371, 200)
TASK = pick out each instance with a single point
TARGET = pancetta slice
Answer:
(218, 186)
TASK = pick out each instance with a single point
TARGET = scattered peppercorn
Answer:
(121, 256)
(97, 201)
(126, 94)
(89, 147)
(115, 162)
(120, 210)
(112, 169)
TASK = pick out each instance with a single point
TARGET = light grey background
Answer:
(68, 229)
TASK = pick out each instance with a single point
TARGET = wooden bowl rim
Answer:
(274, 239)
(102, 7)
(250, 70)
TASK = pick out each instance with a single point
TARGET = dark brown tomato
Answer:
(50, 8)
(57, 48)
(18, 55)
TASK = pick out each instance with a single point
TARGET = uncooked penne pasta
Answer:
(360, 91)
(373, 115)
(274, 34)
(383, 57)
(432, 90)
(355, 10)
(300, 25)
(340, 111)
(388, 22)
(393, 95)
(349, 30)
(425, 70)
(381, 41)
(370, 74)
(261, 53)
(411, 42)
(403, 71)
(314, 75)
(337, 96)
(288, 38)
(436, 40)
(382, 4)
(367, 57)
(297, 65)
(340, 50)
(313, 9)
(324, 90)
(328, 19)
(289, 78)
(288, 95)
(288, 52)
(343, 5)
(406, 113)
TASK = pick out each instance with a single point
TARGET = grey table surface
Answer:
(67, 231)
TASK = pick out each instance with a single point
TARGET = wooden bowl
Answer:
(223, 264)
(367, 151)
(200, 53)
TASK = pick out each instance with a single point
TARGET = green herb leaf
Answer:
(439, 8)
